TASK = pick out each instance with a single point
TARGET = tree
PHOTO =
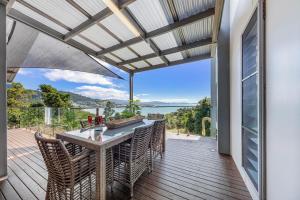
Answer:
(189, 121)
(132, 109)
(17, 99)
(108, 110)
(53, 98)
(201, 110)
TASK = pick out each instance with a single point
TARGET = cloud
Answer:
(142, 95)
(23, 71)
(77, 77)
(98, 92)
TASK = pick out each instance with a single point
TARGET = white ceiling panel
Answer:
(128, 66)
(59, 10)
(125, 54)
(114, 58)
(142, 48)
(149, 14)
(155, 61)
(39, 18)
(174, 57)
(86, 43)
(91, 6)
(165, 41)
(140, 64)
(99, 36)
(186, 8)
(117, 27)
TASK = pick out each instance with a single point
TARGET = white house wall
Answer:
(282, 94)
(240, 13)
(283, 99)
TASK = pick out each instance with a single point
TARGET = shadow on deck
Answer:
(189, 170)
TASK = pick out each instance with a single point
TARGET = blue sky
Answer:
(182, 83)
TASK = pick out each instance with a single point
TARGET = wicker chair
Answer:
(156, 140)
(131, 159)
(156, 116)
(71, 169)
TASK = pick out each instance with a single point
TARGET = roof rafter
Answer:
(79, 8)
(191, 59)
(162, 30)
(94, 19)
(216, 24)
(199, 43)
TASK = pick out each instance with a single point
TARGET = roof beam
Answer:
(191, 59)
(9, 5)
(94, 19)
(199, 43)
(162, 30)
(216, 24)
(79, 8)
(128, 20)
(87, 24)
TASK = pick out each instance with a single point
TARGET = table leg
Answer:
(164, 140)
(101, 174)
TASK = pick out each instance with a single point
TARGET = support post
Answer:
(131, 74)
(223, 85)
(3, 104)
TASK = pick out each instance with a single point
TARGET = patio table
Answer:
(99, 142)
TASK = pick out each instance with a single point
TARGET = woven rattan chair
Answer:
(71, 169)
(156, 116)
(131, 159)
(156, 144)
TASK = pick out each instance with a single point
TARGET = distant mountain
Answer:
(83, 101)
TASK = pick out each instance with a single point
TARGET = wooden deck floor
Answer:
(189, 170)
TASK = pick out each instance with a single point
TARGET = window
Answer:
(250, 100)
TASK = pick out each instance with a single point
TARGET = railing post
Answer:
(131, 75)
(3, 100)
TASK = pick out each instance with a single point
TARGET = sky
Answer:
(185, 83)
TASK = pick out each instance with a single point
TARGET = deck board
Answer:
(188, 170)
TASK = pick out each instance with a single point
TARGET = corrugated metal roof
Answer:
(165, 41)
(149, 14)
(38, 17)
(186, 8)
(155, 61)
(125, 54)
(117, 27)
(86, 43)
(142, 48)
(114, 58)
(99, 36)
(200, 50)
(199, 30)
(174, 57)
(91, 6)
(59, 10)
(128, 66)
(140, 64)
